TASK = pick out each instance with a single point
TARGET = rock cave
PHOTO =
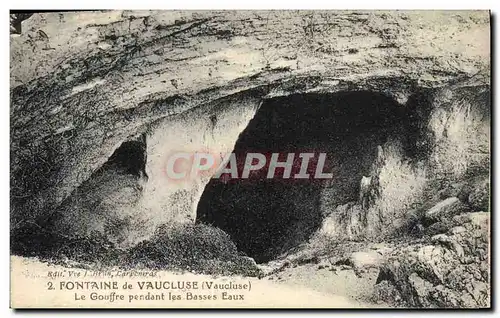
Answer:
(265, 217)
(85, 191)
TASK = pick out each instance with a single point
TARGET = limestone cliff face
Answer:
(83, 84)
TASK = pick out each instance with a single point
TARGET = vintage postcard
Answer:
(250, 159)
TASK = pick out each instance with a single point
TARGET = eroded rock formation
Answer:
(85, 84)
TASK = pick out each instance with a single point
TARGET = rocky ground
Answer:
(447, 267)
(444, 265)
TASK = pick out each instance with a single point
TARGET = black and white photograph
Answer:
(250, 159)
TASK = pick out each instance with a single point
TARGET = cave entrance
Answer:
(129, 158)
(267, 217)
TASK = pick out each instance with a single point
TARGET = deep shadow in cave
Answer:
(130, 157)
(266, 217)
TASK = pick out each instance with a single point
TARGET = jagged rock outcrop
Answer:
(452, 271)
(443, 209)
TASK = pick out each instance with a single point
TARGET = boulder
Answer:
(365, 260)
(452, 271)
(444, 209)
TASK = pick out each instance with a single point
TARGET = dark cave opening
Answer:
(267, 217)
(129, 158)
